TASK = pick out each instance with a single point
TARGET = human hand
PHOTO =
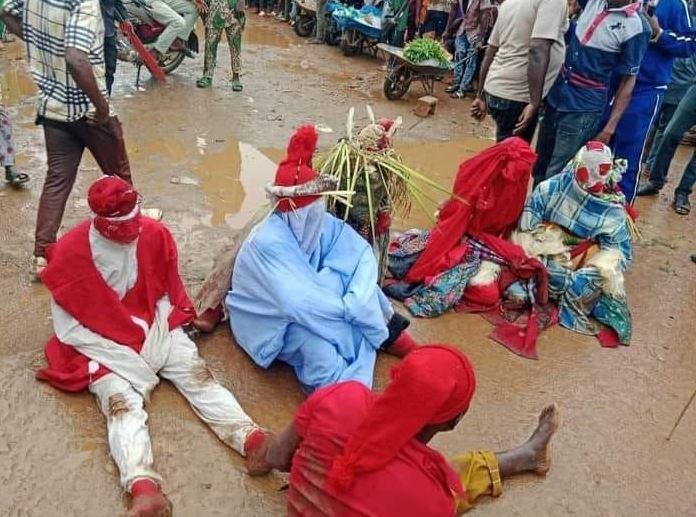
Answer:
(525, 119)
(604, 136)
(202, 6)
(99, 117)
(478, 109)
(654, 26)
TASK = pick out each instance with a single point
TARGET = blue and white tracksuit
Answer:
(678, 39)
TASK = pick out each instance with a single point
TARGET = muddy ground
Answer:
(610, 457)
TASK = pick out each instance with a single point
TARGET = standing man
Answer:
(222, 16)
(610, 38)
(524, 55)
(672, 37)
(469, 30)
(65, 49)
(111, 10)
(320, 25)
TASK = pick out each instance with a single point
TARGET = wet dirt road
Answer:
(610, 457)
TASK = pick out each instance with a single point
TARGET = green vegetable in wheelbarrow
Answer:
(425, 49)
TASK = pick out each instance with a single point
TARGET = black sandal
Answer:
(681, 204)
(15, 179)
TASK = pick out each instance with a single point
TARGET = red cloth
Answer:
(296, 168)
(417, 482)
(110, 196)
(432, 385)
(489, 194)
(78, 287)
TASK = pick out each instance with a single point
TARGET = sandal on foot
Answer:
(236, 86)
(15, 179)
(458, 95)
(204, 82)
(681, 204)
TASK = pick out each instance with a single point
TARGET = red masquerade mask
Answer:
(121, 232)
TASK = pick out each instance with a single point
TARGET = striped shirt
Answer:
(51, 26)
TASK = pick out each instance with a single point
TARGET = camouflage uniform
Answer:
(227, 16)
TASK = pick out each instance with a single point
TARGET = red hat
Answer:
(110, 196)
(432, 385)
(296, 168)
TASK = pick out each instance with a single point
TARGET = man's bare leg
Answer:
(533, 455)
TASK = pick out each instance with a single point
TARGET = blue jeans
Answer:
(561, 135)
(666, 114)
(684, 119)
(465, 58)
(632, 133)
(506, 113)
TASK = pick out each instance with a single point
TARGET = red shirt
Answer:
(417, 483)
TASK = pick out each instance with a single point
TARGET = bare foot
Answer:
(150, 505)
(541, 438)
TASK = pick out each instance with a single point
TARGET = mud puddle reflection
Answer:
(232, 177)
(266, 36)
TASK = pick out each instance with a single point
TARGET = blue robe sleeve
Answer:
(678, 38)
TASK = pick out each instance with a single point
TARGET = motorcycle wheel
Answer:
(304, 26)
(171, 61)
(333, 35)
(351, 43)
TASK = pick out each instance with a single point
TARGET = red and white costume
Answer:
(118, 304)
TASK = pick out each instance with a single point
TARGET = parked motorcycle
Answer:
(148, 30)
(306, 20)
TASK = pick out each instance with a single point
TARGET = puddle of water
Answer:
(233, 178)
(266, 36)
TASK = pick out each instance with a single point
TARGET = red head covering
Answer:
(432, 385)
(115, 206)
(296, 168)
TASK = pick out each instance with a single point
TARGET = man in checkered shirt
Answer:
(64, 41)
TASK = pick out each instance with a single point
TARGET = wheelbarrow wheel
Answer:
(350, 43)
(397, 83)
(333, 35)
(304, 25)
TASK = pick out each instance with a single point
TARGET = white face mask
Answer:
(306, 225)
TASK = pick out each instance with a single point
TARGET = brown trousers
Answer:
(65, 143)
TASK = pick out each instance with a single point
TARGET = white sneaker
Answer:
(152, 213)
(38, 264)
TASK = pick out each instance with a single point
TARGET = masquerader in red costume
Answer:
(118, 306)
(354, 453)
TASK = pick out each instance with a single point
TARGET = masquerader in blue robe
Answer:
(304, 285)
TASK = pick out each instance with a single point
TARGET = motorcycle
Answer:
(148, 30)
(306, 19)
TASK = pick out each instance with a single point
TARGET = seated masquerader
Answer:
(118, 306)
(354, 453)
(304, 284)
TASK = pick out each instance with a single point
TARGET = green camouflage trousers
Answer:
(213, 33)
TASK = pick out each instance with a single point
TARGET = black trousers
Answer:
(109, 60)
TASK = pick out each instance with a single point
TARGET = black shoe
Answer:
(693, 259)
(451, 89)
(188, 53)
(681, 203)
(648, 189)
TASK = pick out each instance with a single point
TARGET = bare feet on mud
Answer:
(150, 505)
(541, 438)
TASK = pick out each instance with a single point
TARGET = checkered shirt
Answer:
(560, 200)
(51, 26)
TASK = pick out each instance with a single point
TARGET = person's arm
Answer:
(478, 107)
(282, 449)
(674, 37)
(80, 33)
(11, 15)
(451, 19)
(537, 66)
(621, 100)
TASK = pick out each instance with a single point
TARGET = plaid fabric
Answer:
(560, 200)
(51, 26)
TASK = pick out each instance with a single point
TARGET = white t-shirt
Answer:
(520, 21)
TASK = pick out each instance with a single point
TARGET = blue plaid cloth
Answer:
(561, 201)
(51, 26)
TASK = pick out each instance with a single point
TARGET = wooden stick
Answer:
(681, 415)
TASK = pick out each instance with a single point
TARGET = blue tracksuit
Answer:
(678, 39)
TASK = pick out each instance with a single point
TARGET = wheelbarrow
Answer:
(402, 73)
(360, 29)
